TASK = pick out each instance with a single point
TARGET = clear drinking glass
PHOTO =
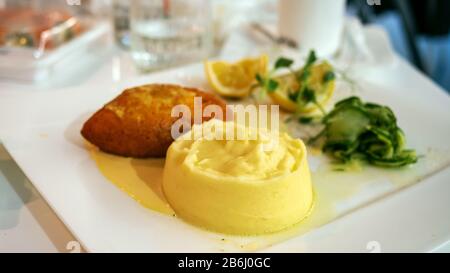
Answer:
(121, 22)
(169, 32)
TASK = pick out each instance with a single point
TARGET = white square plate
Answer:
(46, 144)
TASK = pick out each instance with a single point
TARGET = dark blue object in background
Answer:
(419, 31)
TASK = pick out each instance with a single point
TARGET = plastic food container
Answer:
(38, 44)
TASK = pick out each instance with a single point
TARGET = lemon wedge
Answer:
(234, 80)
(324, 89)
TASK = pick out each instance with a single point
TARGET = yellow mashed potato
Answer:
(260, 184)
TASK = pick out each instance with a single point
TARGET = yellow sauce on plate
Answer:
(141, 179)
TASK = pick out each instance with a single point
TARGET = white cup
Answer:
(313, 24)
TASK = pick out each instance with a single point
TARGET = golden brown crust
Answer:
(138, 122)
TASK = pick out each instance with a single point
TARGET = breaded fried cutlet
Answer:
(138, 122)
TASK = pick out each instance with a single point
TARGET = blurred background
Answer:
(418, 30)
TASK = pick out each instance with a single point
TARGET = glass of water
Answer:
(167, 33)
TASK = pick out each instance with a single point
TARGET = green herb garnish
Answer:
(302, 91)
(311, 58)
(283, 63)
(268, 84)
(329, 76)
(305, 120)
(272, 85)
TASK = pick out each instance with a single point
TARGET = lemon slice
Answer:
(235, 80)
(323, 89)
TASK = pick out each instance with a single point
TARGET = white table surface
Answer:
(27, 223)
